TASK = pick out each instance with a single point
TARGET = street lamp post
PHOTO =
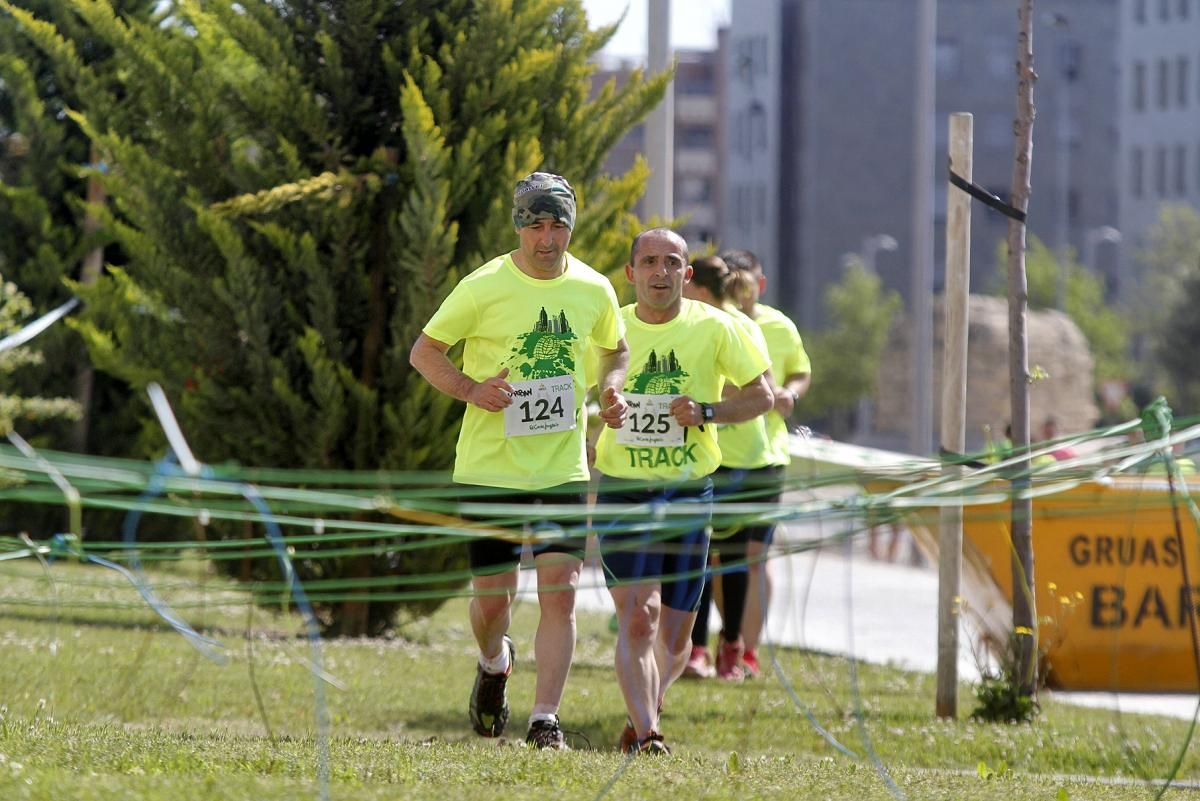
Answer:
(1091, 239)
(870, 246)
(1067, 73)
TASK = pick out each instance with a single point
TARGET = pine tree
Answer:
(296, 185)
(14, 309)
(45, 164)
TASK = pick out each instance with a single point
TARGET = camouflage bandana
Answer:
(543, 196)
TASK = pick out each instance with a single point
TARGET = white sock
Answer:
(497, 664)
(547, 717)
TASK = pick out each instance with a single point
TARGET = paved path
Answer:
(839, 600)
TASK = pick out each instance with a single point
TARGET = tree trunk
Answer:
(354, 615)
(1024, 642)
(89, 273)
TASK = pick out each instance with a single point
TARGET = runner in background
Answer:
(793, 373)
(746, 474)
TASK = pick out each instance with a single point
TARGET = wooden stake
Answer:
(954, 408)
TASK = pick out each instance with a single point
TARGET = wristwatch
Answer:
(707, 411)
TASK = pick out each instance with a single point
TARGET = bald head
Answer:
(659, 233)
(658, 268)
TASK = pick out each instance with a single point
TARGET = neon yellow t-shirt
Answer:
(788, 357)
(690, 355)
(538, 329)
(745, 445)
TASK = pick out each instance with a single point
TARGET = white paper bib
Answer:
(649, 421)
(541, 406)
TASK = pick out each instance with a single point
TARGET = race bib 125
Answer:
(649, 421)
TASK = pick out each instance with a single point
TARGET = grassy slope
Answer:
(126, 709)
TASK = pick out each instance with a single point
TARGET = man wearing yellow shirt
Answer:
(792, 371)
(527, 320)
(681, 353)
(745, 474)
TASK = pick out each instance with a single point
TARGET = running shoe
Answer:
(729, 660)
(653, 744)
(629, 741)
(750, 664)
(547, 734)
(489, 703)
(699, 664)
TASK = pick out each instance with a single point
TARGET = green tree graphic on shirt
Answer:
(661, 375)
(546, 351)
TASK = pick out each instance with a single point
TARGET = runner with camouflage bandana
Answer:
(527, 319)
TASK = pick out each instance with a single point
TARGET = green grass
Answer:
(124, 708)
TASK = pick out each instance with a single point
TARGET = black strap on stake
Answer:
(986, 197)
(960, 459)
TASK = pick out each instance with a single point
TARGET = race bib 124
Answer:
(541, 406)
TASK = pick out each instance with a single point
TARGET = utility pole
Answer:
(922, 229)
(660, 123)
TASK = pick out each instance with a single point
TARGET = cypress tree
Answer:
(45, 239)
(14, 309)
(45, 164)
(296, 185)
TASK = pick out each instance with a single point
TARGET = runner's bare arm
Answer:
(751, 400)
(428, 356)
(729, 390)
(613, 366)
(790, 392)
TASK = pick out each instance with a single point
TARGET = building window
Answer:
(695, 190)
(1164, 81)
(1182, 81)
(749, 60)
(1164, 10)
(1070, 58)
(1137, 171)
(1139, 11)
(947, 57)
(1139, 86)
(697, 79)
(1160, 171)
(1180, 170)
(997, 130)
(1000, 55)
(695, 136)
(1184, 8)
(701, 85)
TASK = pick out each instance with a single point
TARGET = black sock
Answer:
(734, 586)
